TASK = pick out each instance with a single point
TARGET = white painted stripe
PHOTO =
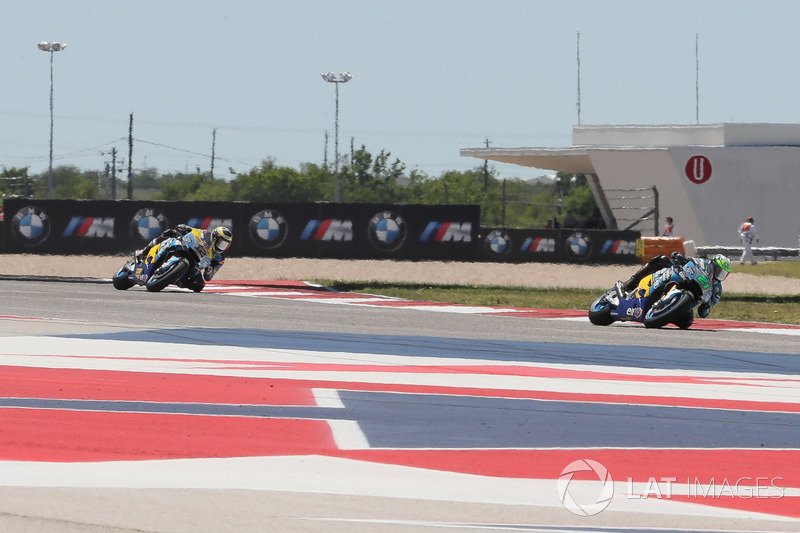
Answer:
(331, 475)
(328, 398)
(348, 435)
(353, 301)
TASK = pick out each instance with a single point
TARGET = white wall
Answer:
(758, 181)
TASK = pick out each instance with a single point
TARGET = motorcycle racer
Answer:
(217, 242)
(717, 267)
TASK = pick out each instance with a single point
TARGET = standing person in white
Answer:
(747, 233)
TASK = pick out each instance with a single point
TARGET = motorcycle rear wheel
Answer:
(168, 275)
(671, 308)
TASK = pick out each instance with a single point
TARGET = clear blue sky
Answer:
(431, 76)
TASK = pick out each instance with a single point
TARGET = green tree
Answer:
(179, 187)
(15, 182)
(367, 179)
(270, 183)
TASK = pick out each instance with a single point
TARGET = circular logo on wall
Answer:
(698, 169)
(497, 243)
(147, 224)
(578, 246)
(387, 231)
(268, 229)
(585, 504)
(31, 226)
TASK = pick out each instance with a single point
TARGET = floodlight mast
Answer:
(46, 46)
(336, 79)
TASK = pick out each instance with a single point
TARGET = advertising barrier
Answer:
(312, 229)
(564, 245)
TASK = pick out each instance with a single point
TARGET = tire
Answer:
(163, 276)
(686, 321)
(121, 281)
(670, 308)
(600, 312)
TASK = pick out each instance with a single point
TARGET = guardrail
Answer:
(735, 252)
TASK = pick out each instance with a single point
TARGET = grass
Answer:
(733, 306)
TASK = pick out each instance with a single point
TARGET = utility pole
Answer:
(213, 147)
(486, 170)
(130, 159)
(114, 173)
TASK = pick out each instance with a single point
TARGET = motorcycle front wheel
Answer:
(673, 307)
(122, 280)
(166, 275)
(600, 312)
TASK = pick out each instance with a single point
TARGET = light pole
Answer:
(45, 46)
(332, 77)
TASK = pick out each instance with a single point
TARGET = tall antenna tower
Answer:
(578, 104)
(697, 78)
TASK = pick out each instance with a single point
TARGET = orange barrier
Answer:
(649, 247)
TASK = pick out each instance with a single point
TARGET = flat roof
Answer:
(575, 159)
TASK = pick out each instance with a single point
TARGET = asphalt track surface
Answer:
(279, 407)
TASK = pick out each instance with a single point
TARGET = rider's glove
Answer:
(183, 229)
(677, 258)
(168, 233)
(703, 310)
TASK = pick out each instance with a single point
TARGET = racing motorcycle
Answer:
(666, 296)
(173, 261)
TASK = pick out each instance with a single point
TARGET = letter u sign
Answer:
(698, 169)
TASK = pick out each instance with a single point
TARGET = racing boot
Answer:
(139, 255)
(631, 284)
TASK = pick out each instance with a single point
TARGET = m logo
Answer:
(618, 247)
(447, 231)
(90, 227)
(538, 244)
(330, 229)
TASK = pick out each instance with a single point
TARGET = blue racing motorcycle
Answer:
(666, 296)
(173, 261)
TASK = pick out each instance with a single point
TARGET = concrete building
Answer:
(708, 177)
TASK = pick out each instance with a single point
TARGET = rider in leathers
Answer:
(217, 240)
(717, 266)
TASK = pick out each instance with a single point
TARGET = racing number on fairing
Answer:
(702, 279)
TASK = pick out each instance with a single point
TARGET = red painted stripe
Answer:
(85, 226)
(76, 436)
(322, 229)
(639, 465)
(442, 231)
(25, 382)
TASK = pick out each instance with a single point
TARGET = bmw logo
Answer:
(387, 231)
(147, 224)
(31, 226)
(579, 246)
(268, 229)
(497, 243)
